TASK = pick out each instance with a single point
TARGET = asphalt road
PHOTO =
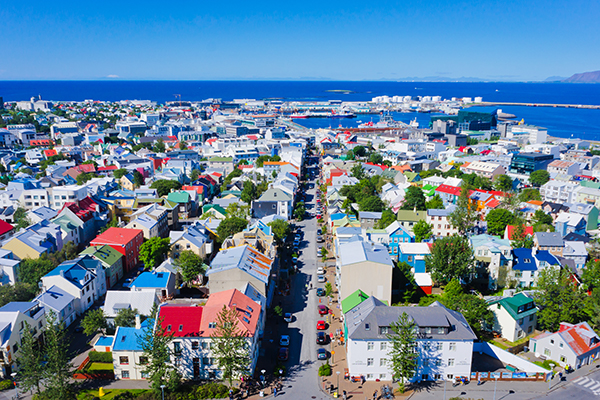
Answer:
(302, 381)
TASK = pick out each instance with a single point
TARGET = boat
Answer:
(297, 116)
(414, 123)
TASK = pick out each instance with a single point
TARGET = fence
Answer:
(508, 358)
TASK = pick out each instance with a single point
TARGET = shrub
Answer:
(213, 390)
(100, 356)
(6, 384)
(125, 396)
(277, 368)
(325, 370)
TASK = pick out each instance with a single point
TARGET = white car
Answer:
(320, 271)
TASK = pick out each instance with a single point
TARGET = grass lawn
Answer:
(545, 364)
(108, 393)
(99, 367)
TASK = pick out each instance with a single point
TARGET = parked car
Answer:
(319, 239)
(323, 310)
(319, 231)
(321, 326)
(320, 292)
(320, 271)
(284, 340)
(283, 354)
(287, 317)
(321, 279)
(294, 260)
(321, 354)
(321, 337)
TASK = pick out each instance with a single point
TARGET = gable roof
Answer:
(244, 257)
(142, 300)
(248, 311)
(106, 254)
(181, 321)
(353, 300)
(117, 236)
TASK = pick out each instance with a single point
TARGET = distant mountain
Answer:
(440, 79)
(584, 77)
(555, 79)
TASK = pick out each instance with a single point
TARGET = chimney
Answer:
(138, 322)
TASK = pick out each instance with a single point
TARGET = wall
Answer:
(506, 357)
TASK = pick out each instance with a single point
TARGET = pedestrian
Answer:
(478, 380)
(344, 395)
(362, 379)
(560, 376)
(275, 391)
(375, 395)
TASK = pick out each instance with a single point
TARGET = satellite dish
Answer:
(537, 355)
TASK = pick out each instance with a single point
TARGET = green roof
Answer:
(179, 197)
(65, 223)
(411, 176)
(221, 159)
(208, 207)
(353, 300)
(410, 215)
(106, 254)
(512, 304)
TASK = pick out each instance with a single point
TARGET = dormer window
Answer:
(168, 328)
(180, 328)
(527, 261)
(441, 331)
(367, 327)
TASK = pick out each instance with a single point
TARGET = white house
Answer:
(444, 341)
(438, 219)
(574, 345)
(515, 316)
(564, 167)
(60, 302)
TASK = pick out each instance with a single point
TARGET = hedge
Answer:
(100, 356)
(6, 384)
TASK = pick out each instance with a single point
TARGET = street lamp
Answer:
(495, 385)
(162, 387)
(445, 381)
(338, 381)
(551, 376)
(14, 376)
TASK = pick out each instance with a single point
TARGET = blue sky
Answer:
(343, 40)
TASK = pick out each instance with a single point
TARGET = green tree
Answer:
(114, 222)
(497, 220)
(195, 175)
(376, 158)
(159, 147)
(422, 231)
(153, 251)
(229, 345)
(464, 215)
(540, 217)
(387, 218)
(126, 317)
(299, 211)
(529, 194)
(31, 271)
(84, 177)
(190, 265)
(182, 145)
(324, 254)
(30, 361)
(450, 258)
(230, 226)
(371, 203)
(436, 203)
(20, 291)
(138, 178)
(154, 342)
(402, 354)
(539, 177)
(164, 186)
(359, 151)
(21, 219)
(248, 192)
(414, 198)
(591, 274)
(281, 229)
(238, 210)
(358, 171)
(93, 321)
(119, 173)
(58, 369)
(520, 238)
(503, 183)
(558, 298)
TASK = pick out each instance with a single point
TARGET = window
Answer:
(15, 348)
(195, 345)
(125, 374)
(521, 321)
(449, 377)
(437, 362)
(427, 329)
(551, 341)
(440, 346)
(180, 328)
(410, 258)
(530, 329)
(441, 331)
(124, 360)
(547, 352)
(437, 377)
(204, 345)
(560, 345)
(383, 346)
(367, 327)
(370, 345)
(369, 362)
(426, 362)
(383, 330)
(168, 328)
(451, 362)
(143, 360)
(531, 317)
(382, 362)
(383, 377)
(452, 347)
(212, 325)
(144, 375)
(177, 347)
(563, 359)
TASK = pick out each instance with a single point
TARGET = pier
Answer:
(581, 106)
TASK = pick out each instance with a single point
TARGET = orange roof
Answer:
(401, 168)
(49, 153)
(248, 311)
(536, 202)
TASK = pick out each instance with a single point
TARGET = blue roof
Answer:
(151, 280)
(336, 216)
(105, 341)
(126, 339)
(524, 260)
(15, 306)
(544, 255)
(55, 298)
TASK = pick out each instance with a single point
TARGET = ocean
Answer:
(561, 122)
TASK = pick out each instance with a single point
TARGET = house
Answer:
(215, 210)
(184, 201)
(515, 316)
(116, 300)
(448, 194)
(568, 222)
(234, 267)
(160, 283)
(13, 317)
(527, 264)
(551, 241)
(128, 356)
(560, 192)
(577, 252)
(194, 238)
(72, 214)
(444, 341)
(152, 220)
(573, 344)
(9, 268)
(111, 260)
(484, 169)
(589, 212)
(397, 234)
(273, 201)
(564, 167)
(365, 266)
(41, 238)
(60, 302)
(368, 219)
(440, 225)
(414, 255)
(127, 181)
(492, 256)
(408, 218)
(510, 230)
(83, 278)
(125, 241)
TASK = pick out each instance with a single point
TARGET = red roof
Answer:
(84, 209)
(198, 189)
(493, 203)
(5, 227)
(378, 165)
(49, 153)
(117, 236)
(455, 190)
(211, 141)
(42, 142)
(511, 229)
(210, 178)
(181, 321)
(578, 337)
(108, 168)
(247, 309)
(252, 137)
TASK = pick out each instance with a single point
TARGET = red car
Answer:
(283, 354)
(321, 325)
(323, 310)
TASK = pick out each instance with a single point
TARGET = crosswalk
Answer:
(588, 383)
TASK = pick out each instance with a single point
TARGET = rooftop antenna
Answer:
(178, 96)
